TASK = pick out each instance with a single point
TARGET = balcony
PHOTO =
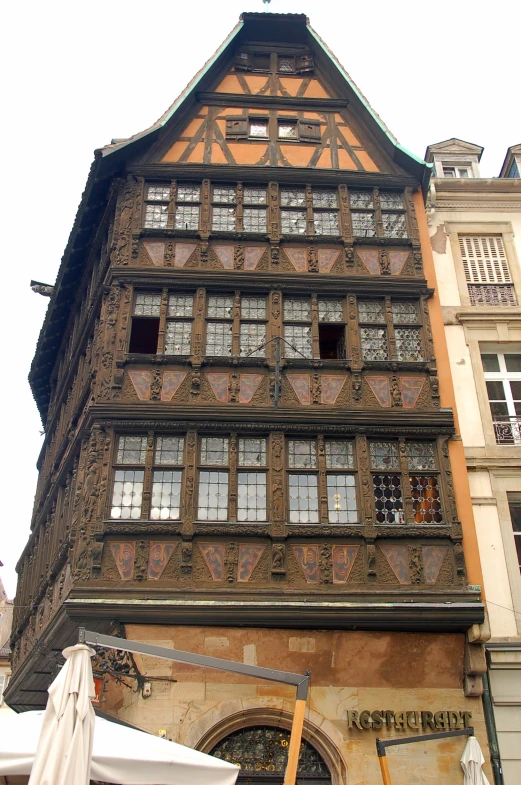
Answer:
(508, 430)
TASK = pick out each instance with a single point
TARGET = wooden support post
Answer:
(295, 742)
(384, 768)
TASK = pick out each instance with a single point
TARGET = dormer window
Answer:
(457, 171)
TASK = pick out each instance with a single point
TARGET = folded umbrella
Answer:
(471, 762)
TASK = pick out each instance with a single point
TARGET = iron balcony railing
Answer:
(508, 430)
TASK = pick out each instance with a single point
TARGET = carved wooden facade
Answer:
(269, 206)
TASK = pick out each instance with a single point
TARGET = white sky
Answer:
(77, 74)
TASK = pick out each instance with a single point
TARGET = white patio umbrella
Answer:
(120, 755)
(471, 762)
(64, 750)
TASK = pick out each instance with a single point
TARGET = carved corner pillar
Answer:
(412, 221)
(274, 212)
(198, 328)
(275, 322)
(390, 328)
(322, 480)
(137, 217)
(427, 330)
(378, 213)
(189, 489)
(106, 342)
(239, 210)
(171, 206)
(128, 213)
(236, 326)
(366, 484)
(345, 218)
(163, 308)
(278, 496)
(310, 227)
(148, 477)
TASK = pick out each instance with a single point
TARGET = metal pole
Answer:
(384, 768)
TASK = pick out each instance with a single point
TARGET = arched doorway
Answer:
(262, 752)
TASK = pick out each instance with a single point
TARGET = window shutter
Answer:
(303, 63)
(243, 61)
(484, 259)
(237, 128)
(309, 131)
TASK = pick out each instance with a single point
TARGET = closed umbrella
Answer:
(64, 751)
(471, 762)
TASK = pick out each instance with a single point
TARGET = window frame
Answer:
(504, 376)
(390, 325)
(379, 211)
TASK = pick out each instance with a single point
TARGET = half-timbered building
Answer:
(250, 446)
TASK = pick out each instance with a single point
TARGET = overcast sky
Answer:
(77, 74)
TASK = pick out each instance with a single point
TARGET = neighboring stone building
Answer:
(6, 619)
(475, 227)
(312, 513)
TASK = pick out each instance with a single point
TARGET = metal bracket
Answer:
(381, 745)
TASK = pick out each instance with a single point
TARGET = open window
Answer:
(144, 332)
(331, 330)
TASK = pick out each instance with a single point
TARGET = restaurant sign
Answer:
(404, 720)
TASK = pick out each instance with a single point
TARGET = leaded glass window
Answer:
(251, 496)
(224, 194)
(302, 454)
(166, 495)
(288, 129)
(156, 216)
(218, 339)
(374, 343)
(187, 216)
(341, 498)
(293, 221)
(364, 224)
(252, 451)
(303, 498)
(426, 500)
(158, 193)
(324, 198)
(223, 219)
(254, 220)
(127, 494)
(384, 455)
(298, 336)
(254, 196)
(180, 305)
(421, 456)
(286, 65)
(339, 454)
(394, 225)
(330, 311)
(131, 449)
(404, 312)
(391, 201)
(170, 450)
(214, 451)
(297, 309)
(253, 308)
(388, 498)
(326, 222)
(147, 304)
(213, 496)
(220, 307)
(188, 193)
(292, 198)
(361, 199)
(408, 344)
(259, 128)
(371, 311)
(252, 336)
(178, 337)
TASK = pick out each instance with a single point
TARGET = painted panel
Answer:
(248, 559)
(171, 383)
(156, 251)
(370, 260)
(327, 258)
(397, 260)
(225, 254)
(381, 388)
(159, 556)
(301, 384)
(183, 252)
(213, 554)
(123, 554)
(343, 558)
(307, 557)
(141, 381)
(248, 386)
(411, 387)
(433, 558)
(298, 258)
(252, 256)
(398, 559)
(219, 385)
(330, 388)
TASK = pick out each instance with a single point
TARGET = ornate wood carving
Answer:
(273, 212)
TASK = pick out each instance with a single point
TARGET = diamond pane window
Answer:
(330, 311)
(293, 221)
(297, 310)
(286, 65)
(394, 225)
(303, 498)
(404, 312)
(251, 496)
(371, 311)
(224, 195)
(127, 494)
(299, 338)
(361, 199)
(325, 199)
(287, 130)
(180, 305)
(253, 308)
(292, 198)
(218, 339)
(188, 193)
(166, 496)
(170, 450)
(408, 344)
(147, 304)
(374, 343)
(178, 337)
(420, 456)
(254, 220)
(341, 498)
(254, 196)
(259, 128)
(302, 454)
(213, 496)
(156, 216)
(391, 201)
(220, 307)
(388, 498)
(384, 455)
(223, 219)
(214, 451)
(252, 336)
(158, 193)
(252, 452)
(326, 222)
(363, 224)
(339, 454)
(187, 216)
(131, 449)
(426, 500)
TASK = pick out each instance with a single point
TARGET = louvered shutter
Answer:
(237, 128)
(303, 63)
(243, 61)
(309, 131)
(486, 270)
